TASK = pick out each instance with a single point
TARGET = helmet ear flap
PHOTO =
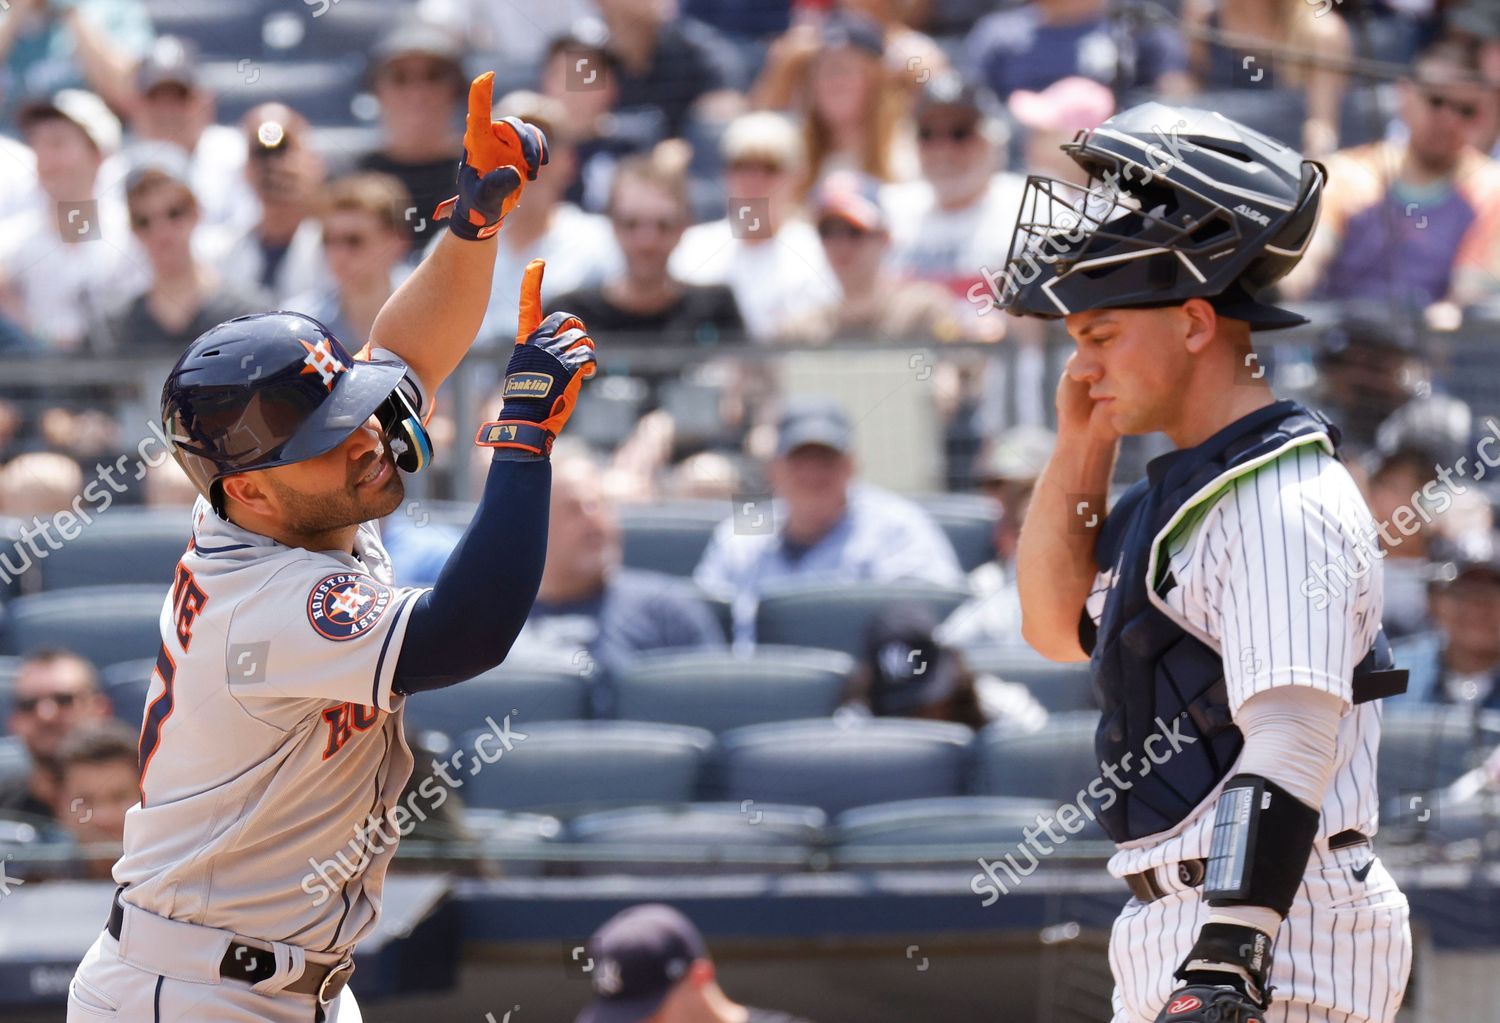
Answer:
(404, 432)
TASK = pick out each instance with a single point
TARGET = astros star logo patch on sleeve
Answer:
(344, 605)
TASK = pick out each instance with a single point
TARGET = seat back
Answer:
(968, 521)
(835, 616)
(106, 624)
(952, 830)
(1060, 687)
(719, 690)
(701, 838)
(671, 537)
(123, 547)
(1054, 764)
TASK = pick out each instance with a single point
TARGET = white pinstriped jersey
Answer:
(1279, 576)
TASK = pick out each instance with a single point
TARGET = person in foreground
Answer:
(272, 754)
(1239, 731)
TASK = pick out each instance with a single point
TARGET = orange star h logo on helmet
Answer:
(321, 360)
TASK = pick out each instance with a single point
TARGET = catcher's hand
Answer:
(551, 360)
(1225, 977)
(499, 158)
(1209, 1003)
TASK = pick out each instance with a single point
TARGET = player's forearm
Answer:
(1055, 556)
(435, 314)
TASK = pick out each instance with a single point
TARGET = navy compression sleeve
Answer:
(466, 623)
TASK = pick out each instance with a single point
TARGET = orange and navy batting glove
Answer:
(499, 158)
(551, 360)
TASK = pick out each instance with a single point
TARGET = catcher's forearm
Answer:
(435, 314)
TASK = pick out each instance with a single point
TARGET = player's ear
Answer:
(249, 491)
(1200, 322)
(701, 973)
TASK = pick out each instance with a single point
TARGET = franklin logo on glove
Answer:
(527, 385)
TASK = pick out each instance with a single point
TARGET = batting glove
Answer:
(499, 158)
(1226, 978)
(551, 360)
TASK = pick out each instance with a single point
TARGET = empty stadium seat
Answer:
(106, 624)
(1059, 687)
(701, 838)
(8, 668)
(1053, 764)
(968, 521)
(529, 692)
(835, 616)
(1427, 748)
(15, 762)
(839, 764)
(320, 90)
(126, 685)
(27, 581)
(953, 830)
(669, 538)
(512, 837)
(219, 29)
(718, 690)
(577, 766)
(123, 547)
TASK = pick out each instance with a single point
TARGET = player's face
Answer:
(648, 224)
(355, 482)
(1128, 360)
(93, 798)
(50, 700)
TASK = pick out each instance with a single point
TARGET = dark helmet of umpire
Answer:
(1180, 203)
(276, 388)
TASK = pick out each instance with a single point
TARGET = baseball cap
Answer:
(951, 89)
(639, 955)
(763, 135)
(812, 419)
(1069, 105)
(1473, 556)
(417, 37)
(852, 197)
(909, 669)
(845, 28)
(1020, 453)
(84, 109)
(170, 61)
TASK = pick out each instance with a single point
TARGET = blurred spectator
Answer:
(1054, 116)
(676, 65)
(874, 302)
(1461, 668)
(1035, 44)
(705, 476)
(173, 112)
(655, 968)
(1007, 475)
(418, 78)
(18, 185)
(38, 484)
(365, 242)
(649, 209)
(1369, 366)
(827, 527)
(907, 671)
(98, 771)
(1415, 221)
(283, 251)
(54, 693)
(167, 486)
(186, 296)
(1478, 23)
(852, 111)
(1394, 494)
(741, 19)
(491, 28)
(582, 74)
(49, 45)
(911, 57)
(764, 251)
(67, 258)
(1277, 36)
(579, 248)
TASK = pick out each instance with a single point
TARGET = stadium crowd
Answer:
(746, 202)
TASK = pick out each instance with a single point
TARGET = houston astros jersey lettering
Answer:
(270, 736)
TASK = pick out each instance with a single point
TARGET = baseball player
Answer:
(1228, 602)
(272, 736)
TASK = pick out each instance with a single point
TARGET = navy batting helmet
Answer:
(1180, 204)
(277, 388)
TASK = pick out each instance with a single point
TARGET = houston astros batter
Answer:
(1247, 852)
(273, 725)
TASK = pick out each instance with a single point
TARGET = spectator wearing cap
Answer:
(186, 295)
(282, 252)
(827, 527)
(1458, 664)
(1032, 45)
(910, 57)
(172, 112)
(1054, 116)
(50, 45)
(1413, 221)
(68, 257)
(673, 64)
(366, 243)
(98, 780)
(418, 78)
(1478, 22)
(874, 303)
(582, 74)
(764, 250)
(55, 692)
(652, 966)
(908, 671)
(1007, 475)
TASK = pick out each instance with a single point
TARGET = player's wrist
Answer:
(1230, 954)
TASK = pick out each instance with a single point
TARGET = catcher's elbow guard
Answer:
(1262, 838)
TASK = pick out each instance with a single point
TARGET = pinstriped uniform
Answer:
(1247, 586)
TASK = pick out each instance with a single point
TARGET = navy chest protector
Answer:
(1150, 674)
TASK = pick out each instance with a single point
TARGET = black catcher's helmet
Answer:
(1180, 204)
(276, 388)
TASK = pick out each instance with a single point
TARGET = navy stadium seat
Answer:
(219, 29)
(578, 766)
(839, 764)
(529, 692)
(835, 616)
(968, 521)
(123, 546)
(320, 90)
(719, 690)
(106, 624)
(8, 668)
(1058, 686)
(1054, 764)
(952, 830)
(29, 580)
(671, 537)
(510, 836)
(15, 762)
(700, 838)
(126, 685)
(1430, 747)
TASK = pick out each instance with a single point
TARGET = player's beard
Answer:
(311, 514)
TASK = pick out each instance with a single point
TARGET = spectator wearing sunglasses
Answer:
(55, 692)
(1415, 220)
(186, 295)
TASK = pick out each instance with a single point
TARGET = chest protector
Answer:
(1153, 676)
